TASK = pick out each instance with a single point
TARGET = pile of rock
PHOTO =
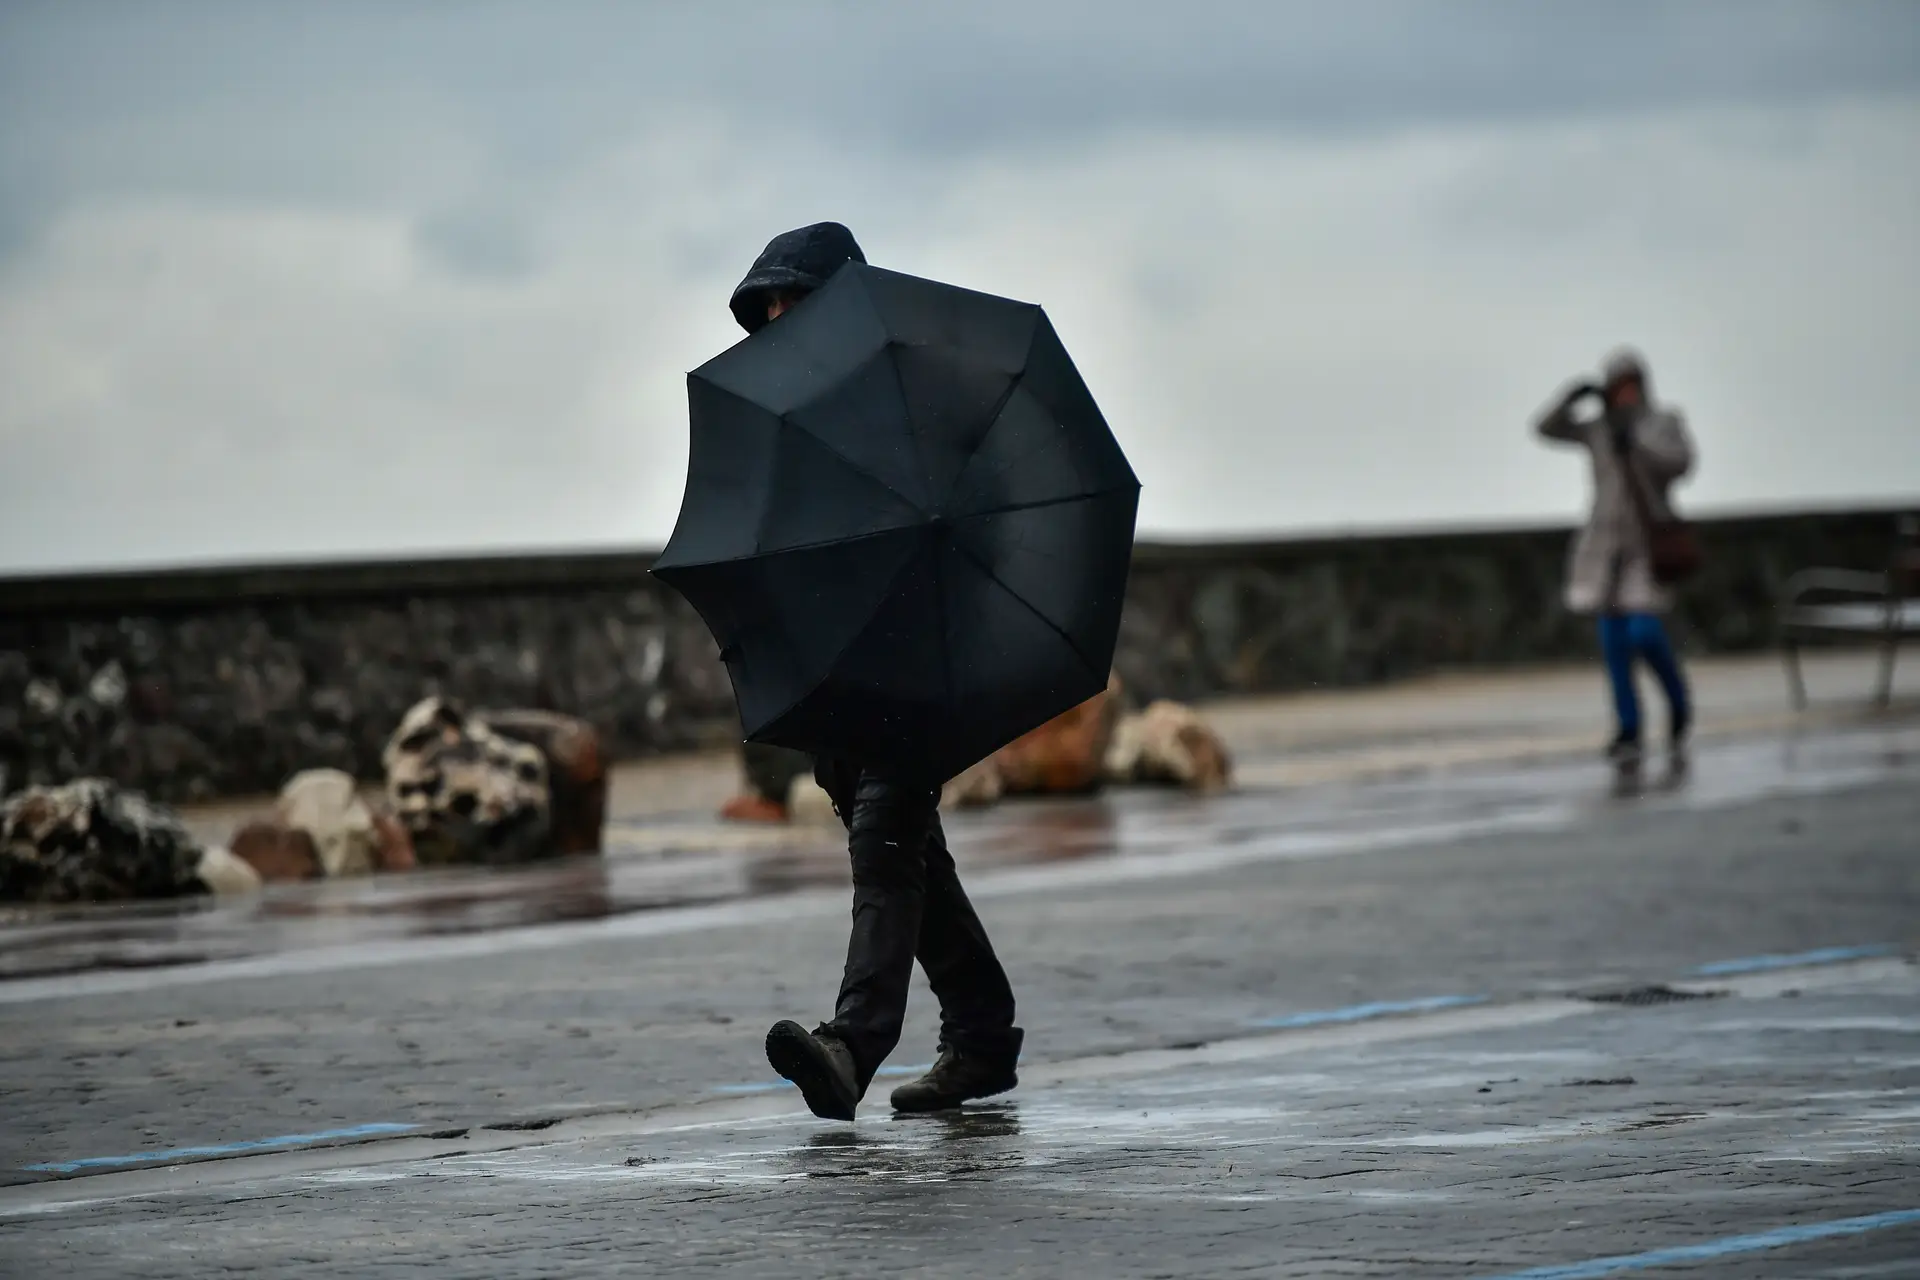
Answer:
(91, 841)
(576, 773)
(1169, 744)
(1096, 744)
(495, 787)
(1064, 756)
(490, 787)
(322, 828)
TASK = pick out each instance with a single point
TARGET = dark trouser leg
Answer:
(887, 829)
(976, 1001)
(1651, 642)
(1616, 646)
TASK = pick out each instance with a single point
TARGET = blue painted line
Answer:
(774, 1086)
(1712, 1249)
(912, 1069)
(1825, 955)
(223, 1149)
(1361, 1012)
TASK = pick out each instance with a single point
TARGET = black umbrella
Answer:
(906, 523)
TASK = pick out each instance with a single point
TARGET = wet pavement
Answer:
(1767, 1127)
(1517, 1017)
(1427, 757)
(679, 860)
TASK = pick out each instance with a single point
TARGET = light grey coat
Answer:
(1608, 567)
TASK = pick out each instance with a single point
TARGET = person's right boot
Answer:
(1678, 727)
(820, 1064)
(956, 1078)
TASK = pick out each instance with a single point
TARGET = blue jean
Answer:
(1626, 636)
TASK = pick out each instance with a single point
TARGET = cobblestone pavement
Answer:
(1293, 1032)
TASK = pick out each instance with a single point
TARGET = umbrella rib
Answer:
(838, 541)
(851, 465)
(1026, 604)
(861, 280)
(1043, 502)
(993, 420)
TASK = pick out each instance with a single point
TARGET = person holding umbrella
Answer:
(908, 902)
(1617, 568)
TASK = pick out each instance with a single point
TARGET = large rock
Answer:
(464, 793)
(393, 847)
(224, 873)
(277, 852)
(325, 804)
(576, 772)
(91, 841)
(1169, 743)
(1066, 755)
(978, 785)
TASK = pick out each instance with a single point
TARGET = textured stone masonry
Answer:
(192, 684)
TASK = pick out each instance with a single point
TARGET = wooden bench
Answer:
(1885, 606)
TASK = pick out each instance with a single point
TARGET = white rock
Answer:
(1169, 743)
(223, 873)
(326, 804)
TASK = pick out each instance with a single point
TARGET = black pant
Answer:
(907, 905)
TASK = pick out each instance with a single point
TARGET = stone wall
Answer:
(1241, 618)
(192, 684)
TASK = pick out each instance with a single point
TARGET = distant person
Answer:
(907, 900)
(1610, 570)
(769, 773)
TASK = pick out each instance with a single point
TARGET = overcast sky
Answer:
(327, 278)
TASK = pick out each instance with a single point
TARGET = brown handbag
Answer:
(1673, 549)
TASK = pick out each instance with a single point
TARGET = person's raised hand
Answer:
(1578, 390)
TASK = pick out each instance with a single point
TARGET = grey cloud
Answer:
(298, 100)
(478, 242)
(264, 266)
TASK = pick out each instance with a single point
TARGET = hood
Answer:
(800, 260)
(1626, 363)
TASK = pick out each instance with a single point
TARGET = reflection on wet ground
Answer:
(1602, 1140)
(656, 863)
(934, 1148)
(1477, 1103)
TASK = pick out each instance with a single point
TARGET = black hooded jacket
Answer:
(798, 261)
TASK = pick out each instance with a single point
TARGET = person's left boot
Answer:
(956, 1078)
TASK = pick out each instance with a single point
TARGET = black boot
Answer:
(954, 1079)
(820, 1064)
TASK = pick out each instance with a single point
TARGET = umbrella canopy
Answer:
(906, 523)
